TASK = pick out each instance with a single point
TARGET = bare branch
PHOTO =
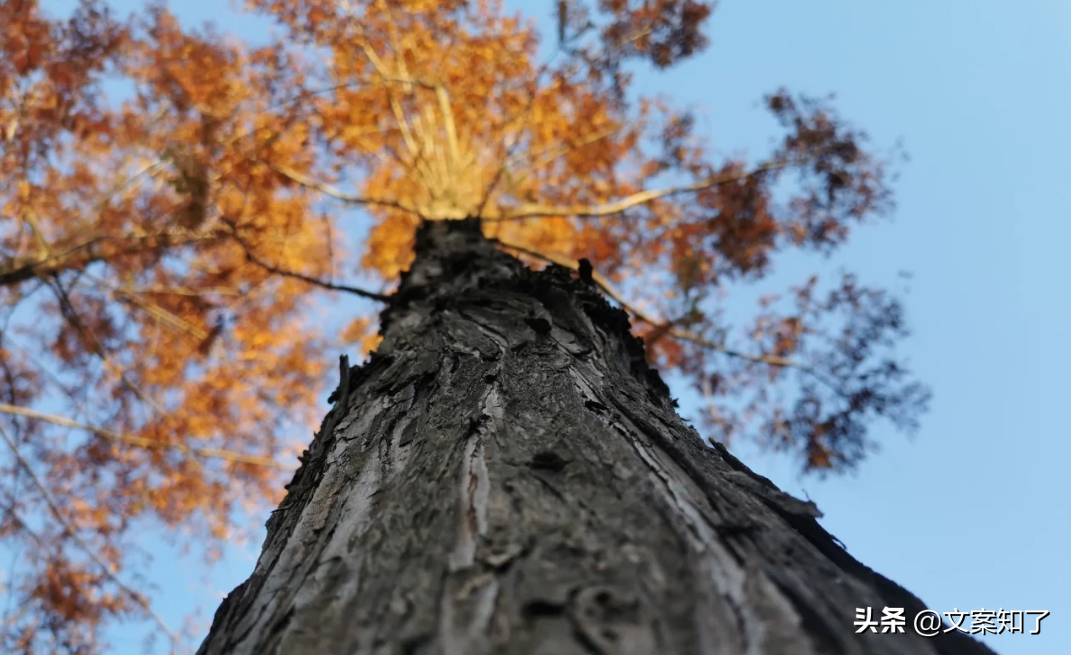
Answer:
(141, 442)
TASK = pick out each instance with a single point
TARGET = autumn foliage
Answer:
(174, 207)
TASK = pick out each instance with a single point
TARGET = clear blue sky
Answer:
(974, 512)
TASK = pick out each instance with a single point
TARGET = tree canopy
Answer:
(163, 249)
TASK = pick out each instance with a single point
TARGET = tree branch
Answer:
(529, 210)
(334, 192)
(159, 313)
(160, 290)
(685, 335)
(43, 247)
(88, 251)
(142, 442)
(546, 155)
(71, 315)
(301, 276)
(532, 210)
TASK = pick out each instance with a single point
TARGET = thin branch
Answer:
(450, 124)
(69, 529)
(407, 133)
(160, 290)
(522, 118)
(123, 186)
(88, 251)
(67, 391)
(160, 314)
(531, 210)
(436, 176)
(526, 210)
(141, 442)
(72, 317)
(537, 158)
(546, 155)
(400, 55)
(330, 241)
(635, 36)
(679, 333)
(318, 282)
(25, 527)
(399, 115)
(502, 168)
(334, 192)
(371, 295)
(417, 156)
(408, 82)
(43, 247)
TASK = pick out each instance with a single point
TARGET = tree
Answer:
(172, 211)
(507, 474)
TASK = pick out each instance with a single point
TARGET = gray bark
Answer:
(507, 475)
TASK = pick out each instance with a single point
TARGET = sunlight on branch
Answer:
(141, 442)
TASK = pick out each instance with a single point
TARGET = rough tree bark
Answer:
(507, 475)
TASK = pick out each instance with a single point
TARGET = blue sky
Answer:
(973, 512)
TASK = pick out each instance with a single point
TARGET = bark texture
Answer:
(507, 475)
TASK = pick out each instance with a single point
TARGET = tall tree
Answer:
(507, 474)
(163, 249)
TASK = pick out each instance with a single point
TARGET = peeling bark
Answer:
(507, 475)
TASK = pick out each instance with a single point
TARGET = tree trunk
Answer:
(506, 475)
